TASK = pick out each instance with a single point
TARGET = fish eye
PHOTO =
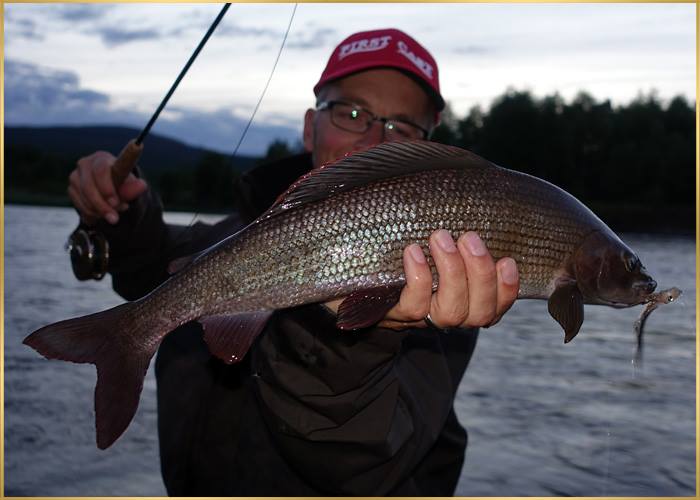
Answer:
(631, 262)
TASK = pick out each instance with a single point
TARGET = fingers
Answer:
(493, 288)
(508, 286)
(84, 191)
(450, 304)
(132, 188)
(92, 190)
(99, 192)
(473, 290)
(414, 303)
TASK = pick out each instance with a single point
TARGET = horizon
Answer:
(292, 144)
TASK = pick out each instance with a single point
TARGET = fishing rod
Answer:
(88, 249)
(126, 161)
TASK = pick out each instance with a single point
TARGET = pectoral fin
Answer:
(566, 306)
(365, 308)
(230, 336)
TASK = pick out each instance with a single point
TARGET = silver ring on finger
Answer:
(429, 321)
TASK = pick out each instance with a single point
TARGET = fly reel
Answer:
(89, 254)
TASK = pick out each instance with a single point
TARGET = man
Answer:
(312, 410)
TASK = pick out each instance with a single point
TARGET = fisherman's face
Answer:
(385, 92)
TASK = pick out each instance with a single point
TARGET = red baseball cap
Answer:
(385, 48)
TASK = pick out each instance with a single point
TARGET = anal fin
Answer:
(229, 336)
(566, 306)
(365, 308)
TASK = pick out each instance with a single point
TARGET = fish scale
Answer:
(324, 249)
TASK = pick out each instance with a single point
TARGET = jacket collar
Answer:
(260, 186)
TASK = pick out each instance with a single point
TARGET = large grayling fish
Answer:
(339, 231)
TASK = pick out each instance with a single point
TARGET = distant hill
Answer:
(38, 161)
(160, 153)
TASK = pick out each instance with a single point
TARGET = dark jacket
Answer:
(311, 410)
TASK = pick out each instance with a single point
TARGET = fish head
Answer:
(608, 272)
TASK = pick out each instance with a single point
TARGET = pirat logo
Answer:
(364, 45)
(425, 67)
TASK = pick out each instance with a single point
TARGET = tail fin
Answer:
(100, 339)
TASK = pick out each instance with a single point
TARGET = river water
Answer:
(544, 418)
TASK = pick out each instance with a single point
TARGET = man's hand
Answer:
(473, 290)
(92, 190)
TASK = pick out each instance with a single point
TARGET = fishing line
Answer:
(260, 99)
(269, 79)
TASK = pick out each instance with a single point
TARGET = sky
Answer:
(87, 64)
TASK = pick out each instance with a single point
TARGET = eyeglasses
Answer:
(353, 118)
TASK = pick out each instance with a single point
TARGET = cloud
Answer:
(77, 12)
(118, 25)
(316, 39)
(113, 36)
(21, 28)
(78, 18)
(41, 96)
(235, 30)
(474, 50)
(227, 29)
(32, 92)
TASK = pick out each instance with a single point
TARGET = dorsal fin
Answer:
(389, 159)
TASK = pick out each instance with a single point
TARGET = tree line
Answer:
(628, 161)
(639, 153)
(37, 176)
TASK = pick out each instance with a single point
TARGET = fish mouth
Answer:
(621, 305)
(645, 287)
(639, 293)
